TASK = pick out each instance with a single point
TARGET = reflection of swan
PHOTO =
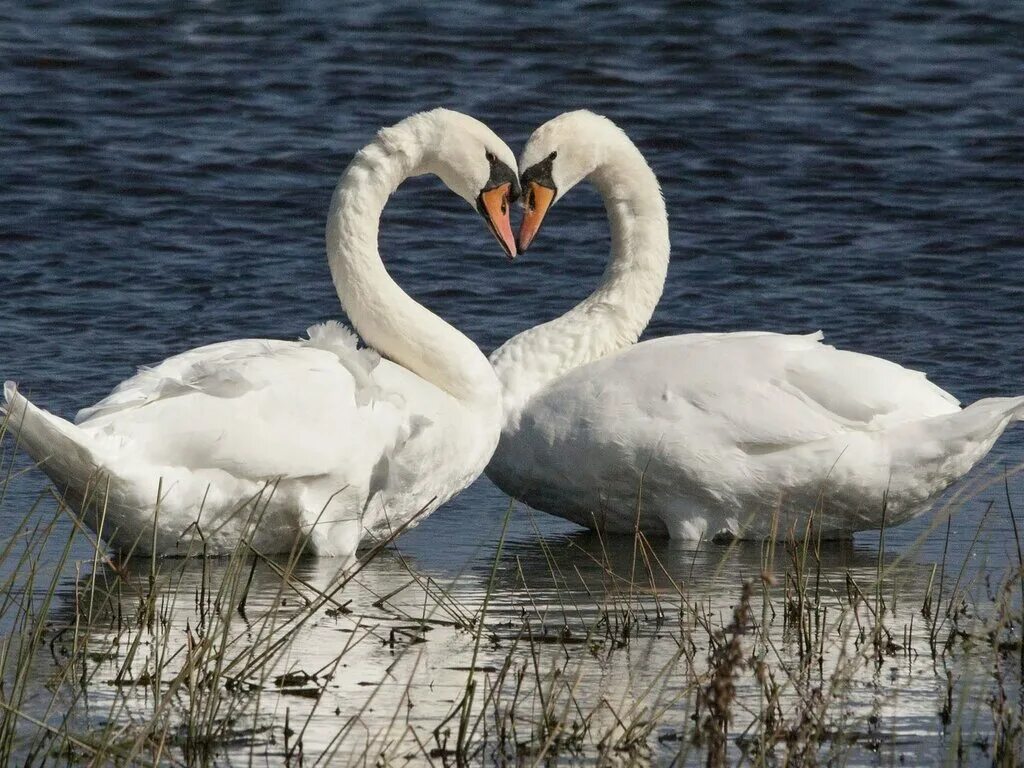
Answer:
(705, 434)
(312, 432)
(584, 567)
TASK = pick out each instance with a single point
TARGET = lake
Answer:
(166, 173)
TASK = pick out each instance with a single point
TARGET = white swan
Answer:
(735, 434)
(303, 437)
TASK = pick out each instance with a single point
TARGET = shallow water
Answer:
(165, 174)
(581, 633)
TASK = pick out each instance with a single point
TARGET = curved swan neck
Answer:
(613, 316)
(386, 317)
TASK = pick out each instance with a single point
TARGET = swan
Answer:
(732, 435)
(312, 441)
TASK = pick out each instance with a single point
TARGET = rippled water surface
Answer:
(165, 172)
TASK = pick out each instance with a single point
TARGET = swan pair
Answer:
(702, 435)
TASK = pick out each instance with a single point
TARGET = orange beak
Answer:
(538, 199)
(495, 206)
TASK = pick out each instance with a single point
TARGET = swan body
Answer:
(313, 441)
(748, 435)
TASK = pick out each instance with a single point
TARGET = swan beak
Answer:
(538, 199)
(495, 206)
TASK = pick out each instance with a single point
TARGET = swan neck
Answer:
(614, 315)
(384, 315)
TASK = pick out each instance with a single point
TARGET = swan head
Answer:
(474, 164)
(559, 155)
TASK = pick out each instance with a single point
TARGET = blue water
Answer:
(165, 175)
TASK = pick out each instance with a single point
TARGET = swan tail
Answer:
(58, 447)
(950, 445)
(992, 410)
(1018, 411)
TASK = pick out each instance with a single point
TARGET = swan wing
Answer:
(258, 409)
(756, 391)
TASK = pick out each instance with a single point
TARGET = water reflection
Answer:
(589, 645)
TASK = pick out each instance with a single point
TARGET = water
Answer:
(165, 175)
